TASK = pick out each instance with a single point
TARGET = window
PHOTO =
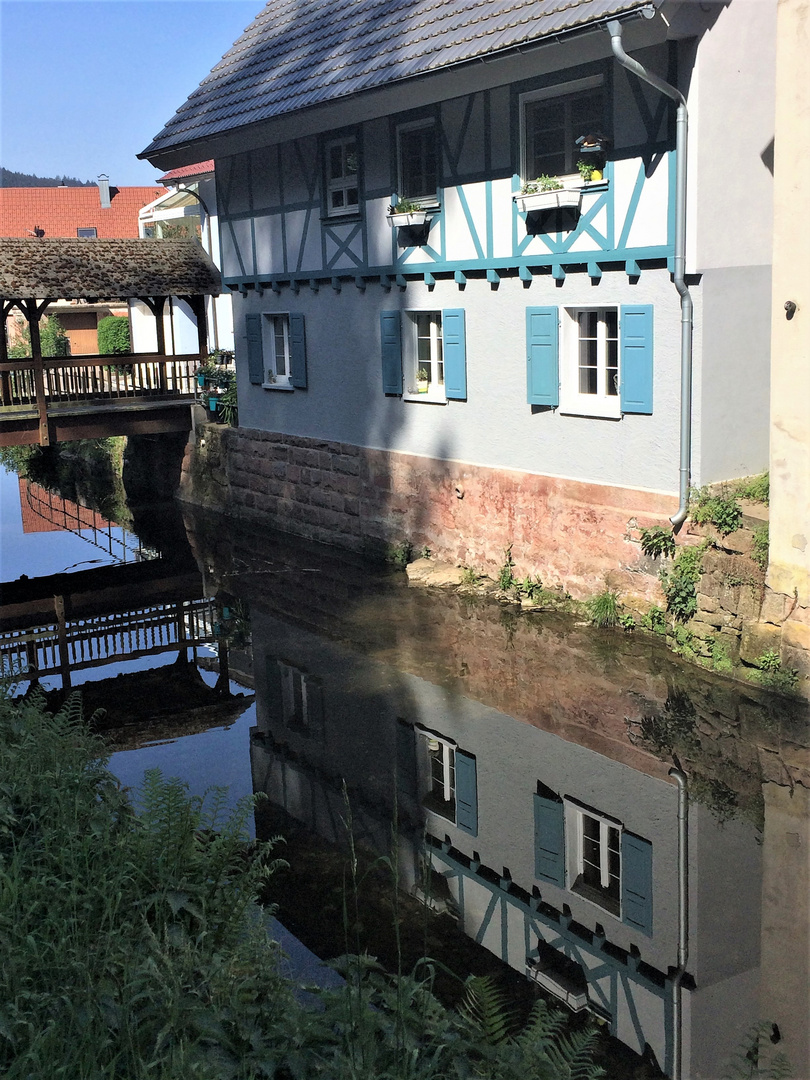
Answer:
(276, 350)
(424, 354)
(276, 347)
(449, 780)
(342, 191)
(593, 855)
(301, 698)
(593, 361)
(89, 233)
(552, 119)
(417, 161)
(598, 861)
(590, 377)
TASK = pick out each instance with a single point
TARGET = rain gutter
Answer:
(683, 922)
(681, 134)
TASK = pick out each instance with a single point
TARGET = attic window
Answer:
(89, 233)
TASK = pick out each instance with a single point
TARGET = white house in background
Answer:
(546, 373)
(188, 208)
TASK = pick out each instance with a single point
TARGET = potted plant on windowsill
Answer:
(589, 172)
(406, 213)
(546, 193)
(422, 381)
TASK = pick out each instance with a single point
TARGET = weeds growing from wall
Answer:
(680, 582)
(657, 542)
(723, 511)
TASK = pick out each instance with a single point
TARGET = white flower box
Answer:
(548, 200)
(415, 217)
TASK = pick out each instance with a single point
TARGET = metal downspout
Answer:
(681, 134)
(683, 922)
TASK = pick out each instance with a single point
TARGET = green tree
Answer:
(53, 339)
(113, 336)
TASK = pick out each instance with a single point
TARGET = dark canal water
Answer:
(578, 811)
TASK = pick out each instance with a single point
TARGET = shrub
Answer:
(654, 620)
(761, 546)
(400, 554)
(506, 576)
(113, 336)
(657, 541)
(680, 583)
(603, 609)
(722, 511)
(756, 489)
(772, 676)
(52, 338)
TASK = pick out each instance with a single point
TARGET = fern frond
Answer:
(485, 1007)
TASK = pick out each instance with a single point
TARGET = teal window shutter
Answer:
(542, 356)
(253, 326)
(391, 338)
(636, 364)
(466, 793)
(298, 351)
(637, 883)
(455, 354)
(549, 840)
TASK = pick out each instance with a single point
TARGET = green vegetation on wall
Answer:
(53, 339)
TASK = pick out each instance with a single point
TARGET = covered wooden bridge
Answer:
(46, 399)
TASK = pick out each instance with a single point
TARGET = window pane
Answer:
(417, 150)
(612, 369)
(587, 366)
(279, 343)
(335, 162)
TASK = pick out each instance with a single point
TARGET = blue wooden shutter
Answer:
(455, 354)
(391, 338)
(549, 840)
(298, 351)
(542, 356)
(253, 326)
(636, 364)
(407, 771)
(466, 793)
(637, 883)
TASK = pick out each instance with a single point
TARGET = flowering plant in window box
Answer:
(406, 212)
(546, 193)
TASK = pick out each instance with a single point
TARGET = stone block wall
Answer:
(575, 535)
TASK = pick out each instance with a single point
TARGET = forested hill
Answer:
(10, 178)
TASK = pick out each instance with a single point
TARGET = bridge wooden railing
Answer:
(103, 379)
(77, 644)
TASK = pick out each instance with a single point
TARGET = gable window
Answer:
(552, 119)
(342, 190)
(424, 354)
(417, 161)
(591, 361)
(88, 233)
(449, 780)
(276, 350)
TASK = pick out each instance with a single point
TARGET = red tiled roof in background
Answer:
(60, 211)
(185, 171)
(42, 511)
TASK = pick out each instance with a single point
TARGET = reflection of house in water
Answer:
(560, 858)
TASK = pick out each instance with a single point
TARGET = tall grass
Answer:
(132, 949)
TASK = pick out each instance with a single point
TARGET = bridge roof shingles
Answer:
(69, 269)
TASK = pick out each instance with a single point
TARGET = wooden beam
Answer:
(33, 313)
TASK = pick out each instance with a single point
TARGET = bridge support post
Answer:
(33, 313)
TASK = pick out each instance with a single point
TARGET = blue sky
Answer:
(84, 87)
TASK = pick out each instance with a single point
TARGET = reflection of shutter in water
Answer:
(406, 759)
(466, 793)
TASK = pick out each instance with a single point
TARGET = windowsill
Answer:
(350, 217)
(595, 410)
(277, 386)
(597, 896)
(429, 399)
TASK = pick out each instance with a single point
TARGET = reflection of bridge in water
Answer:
(66, 623)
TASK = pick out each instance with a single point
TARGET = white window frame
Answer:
(575, 815)
(87, 232)
(427, 199)
(562, 91)
(436, 392)
(572, 399)
(273, 379)
(345, 181)
(296, 690)
(434, 743)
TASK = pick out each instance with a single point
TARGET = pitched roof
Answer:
(69, 269)
(60, 211)
(185, 171)
(296, 54)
